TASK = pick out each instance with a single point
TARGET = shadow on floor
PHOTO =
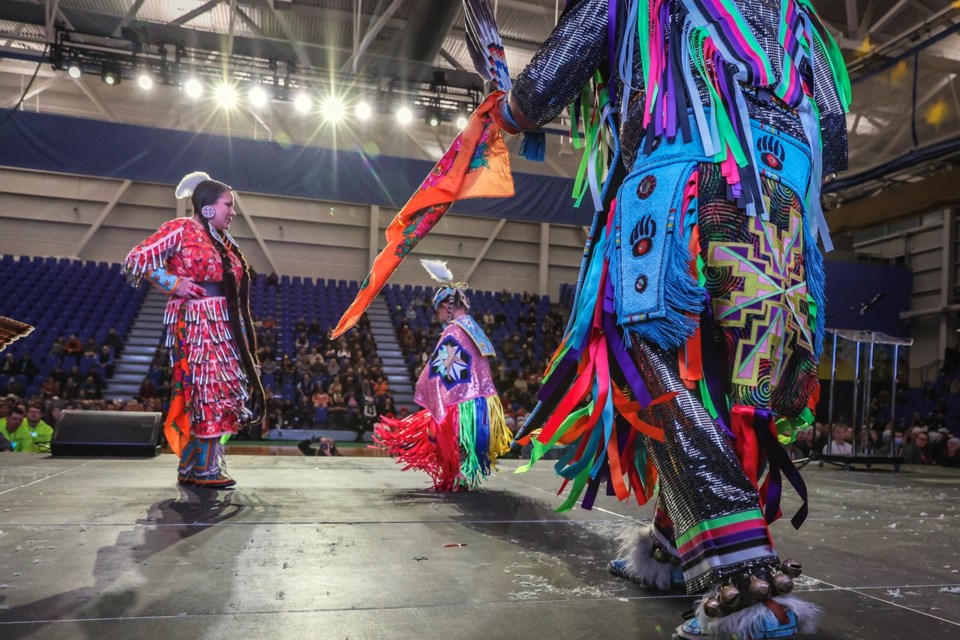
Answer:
(165, 524)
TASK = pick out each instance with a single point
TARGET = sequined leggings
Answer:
(718, 526)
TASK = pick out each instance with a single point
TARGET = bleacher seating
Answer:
(400, 299)
(64, 297)
(323, 301)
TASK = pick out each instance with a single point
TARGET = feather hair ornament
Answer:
(438, 270)
(189, 183)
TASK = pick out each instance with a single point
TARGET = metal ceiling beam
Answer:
(894, 11)
(907, 34)
(51, 9)
(199, 11)
(357, 20)
(923, 7)
(426, 154)
(453, 62)
(298, 48)
(894, 142)
(371, 35)
(253, 26)
(256, 234)
(96, 100)
(509, 43)
(16, 34)
(122, 189)
(35, 91)
(866, 19)
(483, 250)
(128, 16)
(7, 66)
(426, 30)
(852, 17)
(329, 14)
(233, 20)
(527, 7)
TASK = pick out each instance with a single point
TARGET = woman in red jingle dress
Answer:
(199, 265)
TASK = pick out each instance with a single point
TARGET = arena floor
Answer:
(353, 548)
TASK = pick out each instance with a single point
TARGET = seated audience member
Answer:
(24, 433)
(39, 431)
(9, 366)
(300, 326)
(90, 389)
(305, 412)
(803, 446)
(90, 346)
(73, 346)
(13, 387)
(306, 387)
(49, 388)
(58, 349)
(107, 360)
(113, 341)
(337, 409)
(950, 456)
(839, 445)
(27, 367)
(915, 452)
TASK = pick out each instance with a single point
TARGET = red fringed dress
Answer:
(209, 388)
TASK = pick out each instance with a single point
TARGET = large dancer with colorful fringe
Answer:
(458, 436)
(692, 350)
(198, 264)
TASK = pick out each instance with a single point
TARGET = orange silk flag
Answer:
(477, 165)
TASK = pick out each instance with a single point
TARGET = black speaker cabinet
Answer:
(107, 433)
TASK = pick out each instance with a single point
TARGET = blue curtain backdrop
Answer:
(93, 147)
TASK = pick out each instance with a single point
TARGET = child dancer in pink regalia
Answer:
(461, 431)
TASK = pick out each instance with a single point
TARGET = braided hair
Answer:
(204, 194)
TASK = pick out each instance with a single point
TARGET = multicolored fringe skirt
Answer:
(209, 387)
(456, 453)
(690, 356)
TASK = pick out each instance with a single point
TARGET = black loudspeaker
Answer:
(107, 433)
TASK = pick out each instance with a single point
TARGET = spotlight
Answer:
(404, 115)
(302, 103)
(193, 88)
(258, 97)
(461, 121)
(225, 95)
(74, 70)
(332, 109)
(145, 80)
(110, 74)
(362, 111)
(433, 116)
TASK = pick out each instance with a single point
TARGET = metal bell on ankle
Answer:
(791, 567)
(782, 583)
(660, 555)
(759, 589)
(729, 597)
(712, 607)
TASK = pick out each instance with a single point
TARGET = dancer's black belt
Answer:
(212, 288)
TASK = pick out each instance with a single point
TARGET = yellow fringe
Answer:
(500, 435)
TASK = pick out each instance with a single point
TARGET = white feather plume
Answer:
(189, 183)
(438, 270)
